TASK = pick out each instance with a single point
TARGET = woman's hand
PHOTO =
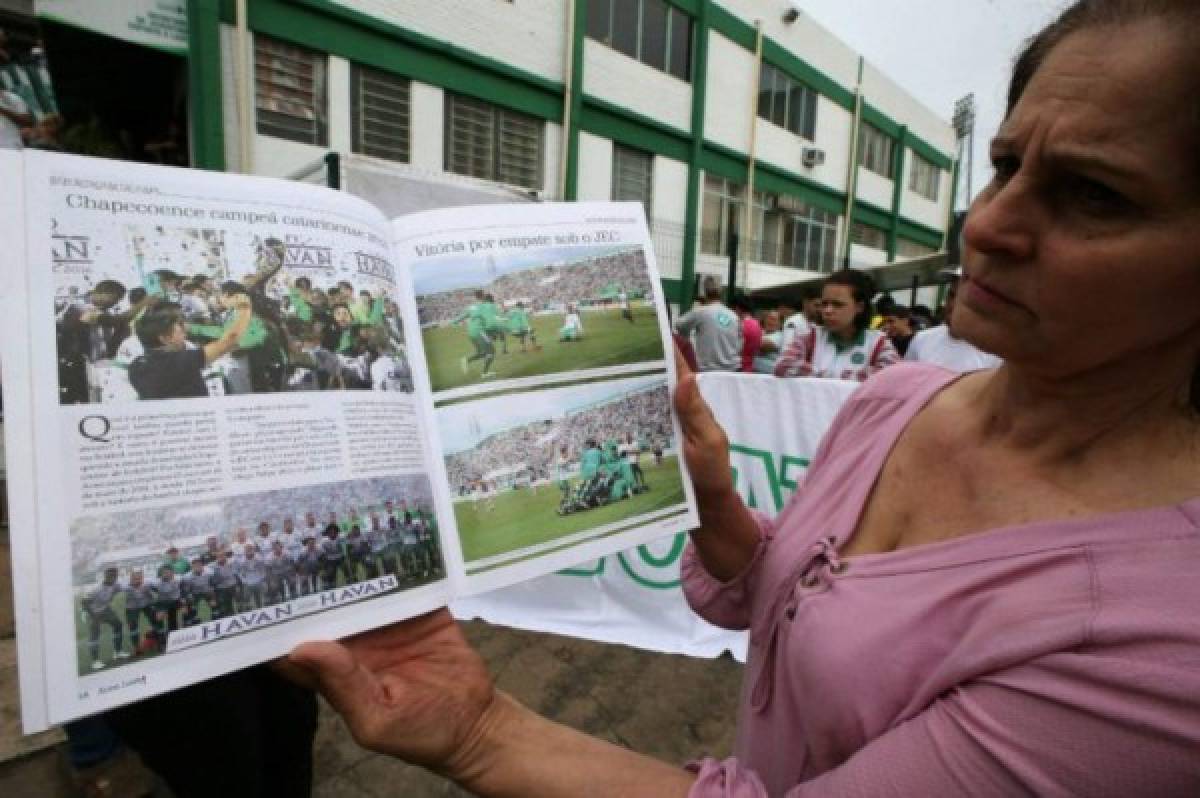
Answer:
(415, 690)
(705, 446)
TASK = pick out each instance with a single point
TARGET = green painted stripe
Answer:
(691, 224)
(672, 289)
(571, 179)
(807, 74)
(631, 128)
(874, 217)
(921, 234)
(205, 118)
(331, 28)
(897, 191)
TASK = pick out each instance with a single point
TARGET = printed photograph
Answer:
(487, 319)
(178, 313)
(534, 472)
(159, 581)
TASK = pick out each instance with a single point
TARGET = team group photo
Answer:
(140, 576)
(172, 313)
(534, 471)
(489, 319)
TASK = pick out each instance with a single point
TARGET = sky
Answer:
(940, 50)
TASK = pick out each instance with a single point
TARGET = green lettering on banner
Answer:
(646, 556)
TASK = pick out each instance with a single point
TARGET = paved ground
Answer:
(672, 707)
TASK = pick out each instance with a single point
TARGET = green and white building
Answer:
(680, 104)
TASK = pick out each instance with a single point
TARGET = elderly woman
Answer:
(1030, 626)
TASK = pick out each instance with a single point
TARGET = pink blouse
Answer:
(1048, 658)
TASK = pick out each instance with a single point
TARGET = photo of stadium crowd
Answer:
(536, 314)
(531, 470)
(141, 575)
(179, 324)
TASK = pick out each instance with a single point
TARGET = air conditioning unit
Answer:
(812, 156)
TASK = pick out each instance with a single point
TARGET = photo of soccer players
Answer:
(185, 313)
(487, 319)
(139, 576)
(535, 471)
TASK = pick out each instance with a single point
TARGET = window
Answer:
(653, 32)
(379, 111)
(790, 232)
(911, 249)
(723, 201)
(786, 102)
(493, 143)
(924, 178)
(876, 150)
(633, 176)
(289, 92)
(866, 236)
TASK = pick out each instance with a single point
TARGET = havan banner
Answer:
(634, 597)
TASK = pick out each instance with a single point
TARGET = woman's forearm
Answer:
(727, 536)
(516, 752)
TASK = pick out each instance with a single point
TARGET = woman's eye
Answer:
(1094, 196)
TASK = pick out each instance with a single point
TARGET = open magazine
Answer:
(244, 413)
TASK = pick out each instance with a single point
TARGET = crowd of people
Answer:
(248, 570)
(537, 448)
(838, 330)
(550, 287)
(180, 336)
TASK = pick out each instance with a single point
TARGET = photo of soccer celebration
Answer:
(178, 315)
(487, 318)
(535, 471)
(244, 562)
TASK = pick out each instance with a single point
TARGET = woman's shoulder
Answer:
(905, 381)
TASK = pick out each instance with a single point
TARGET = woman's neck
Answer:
(1139, 405)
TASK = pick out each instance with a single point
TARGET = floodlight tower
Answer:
(964, 130)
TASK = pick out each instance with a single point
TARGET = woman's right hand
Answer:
(705, 445)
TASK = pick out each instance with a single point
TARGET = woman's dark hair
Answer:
(862, 288)
(1184, 16)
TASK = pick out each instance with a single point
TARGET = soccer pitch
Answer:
(517, 519)
(608, 340)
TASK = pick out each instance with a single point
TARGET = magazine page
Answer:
(544, 337)
(230, 455)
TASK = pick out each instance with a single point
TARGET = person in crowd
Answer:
(170, 369)
(752, 332)
(225, 584)
(98, 610)
(897, 326)
(572, 328)
(196, 586)
(14, 111)
(1033, 609)
(252, 577)
(280, 572)
(308, 567)
(520, 328)
(942, 347)
(88, 331)
(843, 348)
(715, 330)
(168, 599)
(139, 599)
(772, 343)
(473, 315)
(176, 562)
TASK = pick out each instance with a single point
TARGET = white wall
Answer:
(805, 37)
(874, 188)
(932, 126)
(595, 168)
(727, 107)
(866, 256)
(551, 160)
(338, 77)
(670, 190)
(627, 82)
(781, 147)
(427, 107)
(526, 34)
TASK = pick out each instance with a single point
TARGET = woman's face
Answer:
(1084, 250)
(838, 309)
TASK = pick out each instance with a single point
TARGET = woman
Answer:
(843, 347)
(1030, 626)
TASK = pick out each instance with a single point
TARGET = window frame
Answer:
(635, 48)
(621, 151)
(499, 123)
(924, 177)
(276, 122)
(875, 145)
(778, 88)
(359, 133)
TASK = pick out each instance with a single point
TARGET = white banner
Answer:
(153, 23)
(634, 598)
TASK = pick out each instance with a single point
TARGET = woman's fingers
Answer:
(338, 675)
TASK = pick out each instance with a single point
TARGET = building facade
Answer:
(674, 103)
